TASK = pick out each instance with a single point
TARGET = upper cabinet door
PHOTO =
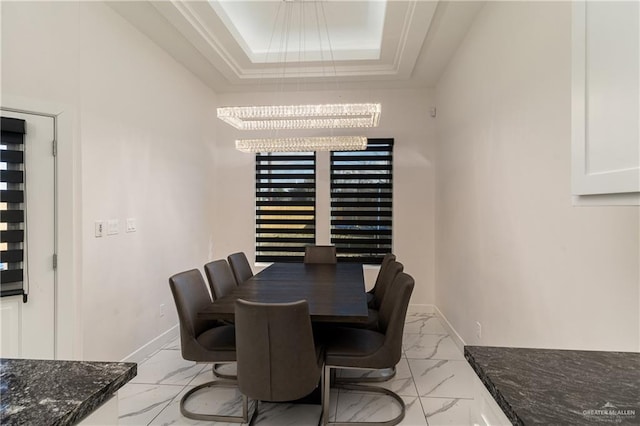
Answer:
(605, 98)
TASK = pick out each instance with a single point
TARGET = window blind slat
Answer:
(12, 176)
(270, 167)
(13, 236)
(12, 125)
(11, 276)
(11, 256)
(274, 230)
(11, 196)
(11, 156)
(285, 203)
(352, 231)
(12, 216)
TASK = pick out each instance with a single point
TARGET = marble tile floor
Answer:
(433, 378)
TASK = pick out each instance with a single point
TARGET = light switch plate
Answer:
(131, 224)
(112, 226)
(99, 228)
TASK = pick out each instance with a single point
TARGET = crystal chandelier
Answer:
(302, 117)
(304, 144)
(278, 117)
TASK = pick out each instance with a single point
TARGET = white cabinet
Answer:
(605, 98)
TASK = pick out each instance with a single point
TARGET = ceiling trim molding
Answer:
(199, 23)
(193, 34)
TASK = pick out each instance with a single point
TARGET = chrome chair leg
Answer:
(220, 375)
(254, 416)
(214, 417)
(372, 389)
(385, 374)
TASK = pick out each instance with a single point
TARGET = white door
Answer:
(28, 329)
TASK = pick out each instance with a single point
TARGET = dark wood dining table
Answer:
(335, 292)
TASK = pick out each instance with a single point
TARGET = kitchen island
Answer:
(548, 386)
(47, 392)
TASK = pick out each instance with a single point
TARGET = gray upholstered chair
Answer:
(220, 277)
(384, 281)
(200, 340)
(381, 273)
(277, 357)
(240, 267)
(320, 254)
(221, 282)
(368, 349)
(385, 278)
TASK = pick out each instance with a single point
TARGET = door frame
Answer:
(67, 217)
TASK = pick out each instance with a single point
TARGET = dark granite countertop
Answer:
(39, 392)
(560, 387)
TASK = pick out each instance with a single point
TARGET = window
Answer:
(361, 202)
(11, 206)
(285, 206)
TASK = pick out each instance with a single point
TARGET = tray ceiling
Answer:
(236, 45)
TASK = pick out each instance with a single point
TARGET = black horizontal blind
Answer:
(12, 217)
(285, 205)
(362, 202)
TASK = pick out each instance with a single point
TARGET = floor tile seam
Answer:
(434, 359)
(160, 384)
(428, 334)
(362, 392)
(448, 397)
(424, 415)
(413, 377)
(154, 384)
(167, 405)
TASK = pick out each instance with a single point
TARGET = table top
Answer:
(335, 293)
(560, 387)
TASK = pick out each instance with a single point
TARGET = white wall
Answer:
(145, 129)
(405, 117)
(512, 252)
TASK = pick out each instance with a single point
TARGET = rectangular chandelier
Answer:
(285, 117)
(322, 143)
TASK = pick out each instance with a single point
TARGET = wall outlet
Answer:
(162, 310)
(99, 228)
(478, 330)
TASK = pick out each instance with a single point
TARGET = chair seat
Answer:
(370, 324)
(219, 339)
(359, 348)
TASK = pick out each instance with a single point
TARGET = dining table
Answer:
(335, 292)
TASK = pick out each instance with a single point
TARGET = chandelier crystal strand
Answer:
(293, 117)
(303, 144)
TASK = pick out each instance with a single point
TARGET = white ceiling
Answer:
(273, 31)
(236, 45)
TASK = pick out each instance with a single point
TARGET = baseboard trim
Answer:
(457, 339)
(152, 346)
(422, 308)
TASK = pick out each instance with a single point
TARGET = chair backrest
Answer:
(276, 354)
(320, 254)
(393, 313)
(220, 277)
(383, 267)
(240, 267)
(190, 295)
(391, 271)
